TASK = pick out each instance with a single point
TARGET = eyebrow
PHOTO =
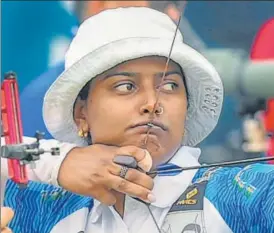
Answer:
(160, 75)
(134, 74)
(127, 74)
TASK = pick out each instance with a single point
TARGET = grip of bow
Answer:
(17, 153)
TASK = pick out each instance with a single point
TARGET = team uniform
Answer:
(227, 200)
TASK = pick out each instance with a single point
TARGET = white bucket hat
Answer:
(118, 35)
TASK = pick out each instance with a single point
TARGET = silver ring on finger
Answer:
(123, 172)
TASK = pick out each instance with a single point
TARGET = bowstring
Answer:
(153, 114)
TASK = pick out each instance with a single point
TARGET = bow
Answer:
(17, 153)
(12, 126)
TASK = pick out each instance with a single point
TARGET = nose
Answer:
(151, 106)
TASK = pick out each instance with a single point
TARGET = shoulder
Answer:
(249, 181)
(240, 194)
(42, 198)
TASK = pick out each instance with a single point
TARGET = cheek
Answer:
(103, 111)
(178, 108)
(105, 114)
(177, 115)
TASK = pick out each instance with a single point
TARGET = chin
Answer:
(152, 144)
(159, 152)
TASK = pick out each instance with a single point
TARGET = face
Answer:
(121, 101)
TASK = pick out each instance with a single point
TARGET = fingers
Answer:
(6, 215)
(146, 162)
(142, 156)
(135, 184)
(6, 230)
(95, 174)
(139, 178)
(105, 196)
(134, 176)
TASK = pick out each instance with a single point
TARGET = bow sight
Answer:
(27, 153)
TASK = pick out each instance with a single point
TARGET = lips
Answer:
(151, 126)
(145, 129)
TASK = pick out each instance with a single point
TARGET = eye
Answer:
(125, 87)
(170, 86)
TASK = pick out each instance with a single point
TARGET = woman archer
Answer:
(102, 106)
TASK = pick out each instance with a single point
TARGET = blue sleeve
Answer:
(267, 209)
(244, 197)
(39, 207)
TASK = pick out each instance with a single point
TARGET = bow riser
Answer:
(12, 125)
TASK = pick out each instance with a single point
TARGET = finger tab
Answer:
(146, 162)
(125, 160)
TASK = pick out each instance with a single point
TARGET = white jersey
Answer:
(194, 201)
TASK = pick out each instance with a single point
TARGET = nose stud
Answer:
(159, 111)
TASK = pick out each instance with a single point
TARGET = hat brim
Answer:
(203, 82)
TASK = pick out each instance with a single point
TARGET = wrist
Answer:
(65, 151)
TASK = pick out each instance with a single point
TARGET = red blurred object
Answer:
(263, 49)
(263, 46)
(269, 126)
(12, 125)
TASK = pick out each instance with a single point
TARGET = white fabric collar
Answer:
(167, 189)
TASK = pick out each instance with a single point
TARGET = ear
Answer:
(80, 115)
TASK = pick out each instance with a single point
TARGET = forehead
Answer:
(152, 63)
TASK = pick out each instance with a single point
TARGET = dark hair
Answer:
(83, 94)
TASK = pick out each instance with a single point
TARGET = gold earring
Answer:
(81, 133)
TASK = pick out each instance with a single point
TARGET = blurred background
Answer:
(236, 36)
